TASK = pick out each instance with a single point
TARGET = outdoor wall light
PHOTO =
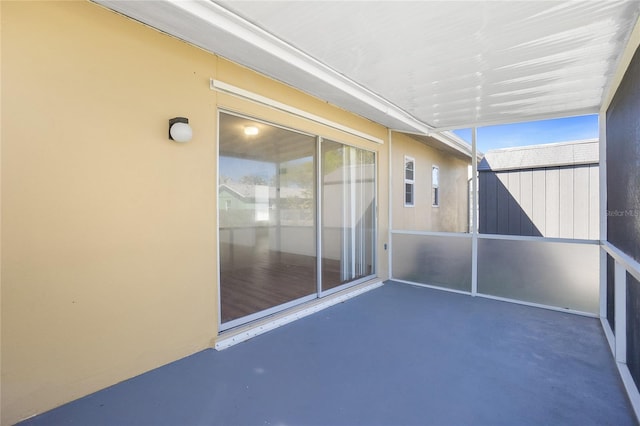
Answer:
(250, 130)
(179, 129)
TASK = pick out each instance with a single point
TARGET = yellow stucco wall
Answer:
(108, 228)
(452, 213)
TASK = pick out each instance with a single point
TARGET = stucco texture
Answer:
(452, 214)
(108, 228)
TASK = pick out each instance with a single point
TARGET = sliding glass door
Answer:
(348, 214)
(266, 205)
(269, 185)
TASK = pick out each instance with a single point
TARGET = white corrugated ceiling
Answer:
(416, 66)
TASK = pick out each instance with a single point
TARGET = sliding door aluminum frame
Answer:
(240, 114)
(390, 204)
(321, 292)
(238, 92)
(318, 225)
(256, 315)
(264, 313)
(319, 195)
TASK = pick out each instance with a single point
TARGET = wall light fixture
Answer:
(179, 129)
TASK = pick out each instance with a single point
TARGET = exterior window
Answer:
(409, 181)
(435, 185)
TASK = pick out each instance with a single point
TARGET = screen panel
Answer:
(623, 163)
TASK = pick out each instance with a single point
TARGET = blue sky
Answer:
(534, 132)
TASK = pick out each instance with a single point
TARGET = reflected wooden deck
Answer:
(252, 282)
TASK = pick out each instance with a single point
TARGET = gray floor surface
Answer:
(397, 355)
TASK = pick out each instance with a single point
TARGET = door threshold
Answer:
(245, 332)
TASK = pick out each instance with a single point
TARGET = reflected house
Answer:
(274, 214)
(340, 231)
(549, 190)
(238, 200)
(242, 202)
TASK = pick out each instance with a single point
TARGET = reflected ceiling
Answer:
(271, 144)
(417, 66)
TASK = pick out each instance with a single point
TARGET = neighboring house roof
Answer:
(247, 193)
(236, 193)
(447, 142)
(539, 156)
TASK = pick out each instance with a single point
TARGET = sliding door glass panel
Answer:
(441, 261)
(266, 207)
(348, 214)
(562, 275)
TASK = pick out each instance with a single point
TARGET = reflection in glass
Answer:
(348, 214)
(266, 217)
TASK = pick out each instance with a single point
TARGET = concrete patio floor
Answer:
(397, 355)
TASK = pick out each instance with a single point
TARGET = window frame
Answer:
(435, 186)
(409, 183)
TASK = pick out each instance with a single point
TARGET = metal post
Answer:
(474, 214)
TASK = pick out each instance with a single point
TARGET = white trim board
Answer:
(633, 42)
(237, 91)
(539, 305)
(434, 287)
(539, 239)
(431, 233)
(629, 263)
(611, 338)
(630, 386)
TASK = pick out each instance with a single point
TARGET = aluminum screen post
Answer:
(474, 212)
